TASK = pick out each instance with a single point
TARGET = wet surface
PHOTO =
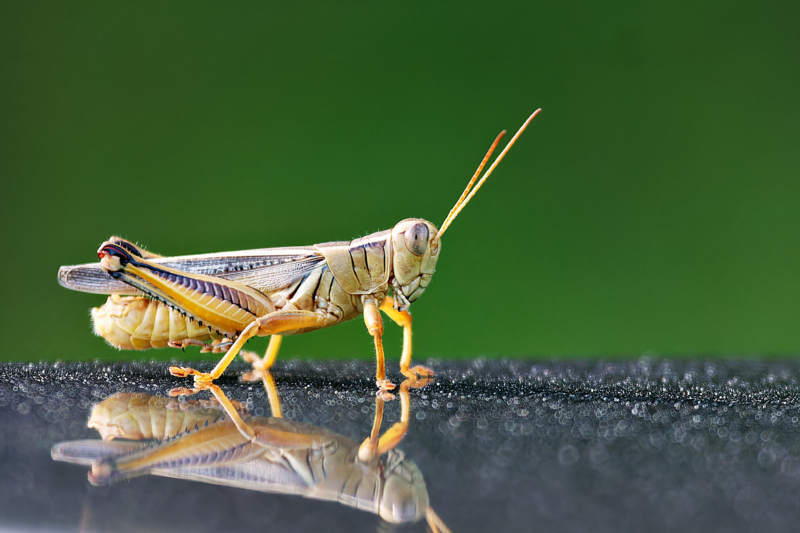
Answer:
(657, 445)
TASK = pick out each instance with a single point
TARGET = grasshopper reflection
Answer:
(219, 442)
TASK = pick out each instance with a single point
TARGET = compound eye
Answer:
(417, 239)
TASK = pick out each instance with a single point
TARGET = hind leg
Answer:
(270, 324)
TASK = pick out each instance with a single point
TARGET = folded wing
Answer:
(264, 269)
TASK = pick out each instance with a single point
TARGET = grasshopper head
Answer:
(416, 242)
(415, 250)
(404, 496)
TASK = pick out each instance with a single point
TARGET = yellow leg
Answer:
(395, 434)
(261, 372)
(264, 435)
(369, 448)
(374, 436)
(244, 428)
(403, 319)
(261, 365)
(266, 379)
(374, 446)
(272, 352)
(374, 322)
(270, 324)
(272, 395)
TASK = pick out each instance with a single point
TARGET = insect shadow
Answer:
(219, 441)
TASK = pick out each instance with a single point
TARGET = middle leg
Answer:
(261, 365)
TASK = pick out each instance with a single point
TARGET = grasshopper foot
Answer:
(185, 391)
(182, 372)
(418, 383)
(182, 391)
(385, 395)
(217, 346)
(181, 345)
(417, 372)
(260, 368)
(201, 379)
(385, 385)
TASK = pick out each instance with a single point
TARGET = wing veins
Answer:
(265, 269)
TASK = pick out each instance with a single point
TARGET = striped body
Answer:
(206, 302)
(272, 291)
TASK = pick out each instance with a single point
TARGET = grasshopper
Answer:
(221, 443)
(228, 298)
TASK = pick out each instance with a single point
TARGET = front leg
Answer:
(270, 324)
(403, 319)
(375, 445)
(374, 322)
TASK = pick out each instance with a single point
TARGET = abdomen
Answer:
(137, 323)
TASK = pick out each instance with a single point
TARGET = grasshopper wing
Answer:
(86, 452)
(264, 269)
(259, 474)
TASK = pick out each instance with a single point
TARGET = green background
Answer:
(652, 207)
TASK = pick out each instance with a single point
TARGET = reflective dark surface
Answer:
(649, 444)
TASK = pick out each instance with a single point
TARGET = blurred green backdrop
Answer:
(652, 207)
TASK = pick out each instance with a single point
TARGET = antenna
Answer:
(467, 195)
(436, 524)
